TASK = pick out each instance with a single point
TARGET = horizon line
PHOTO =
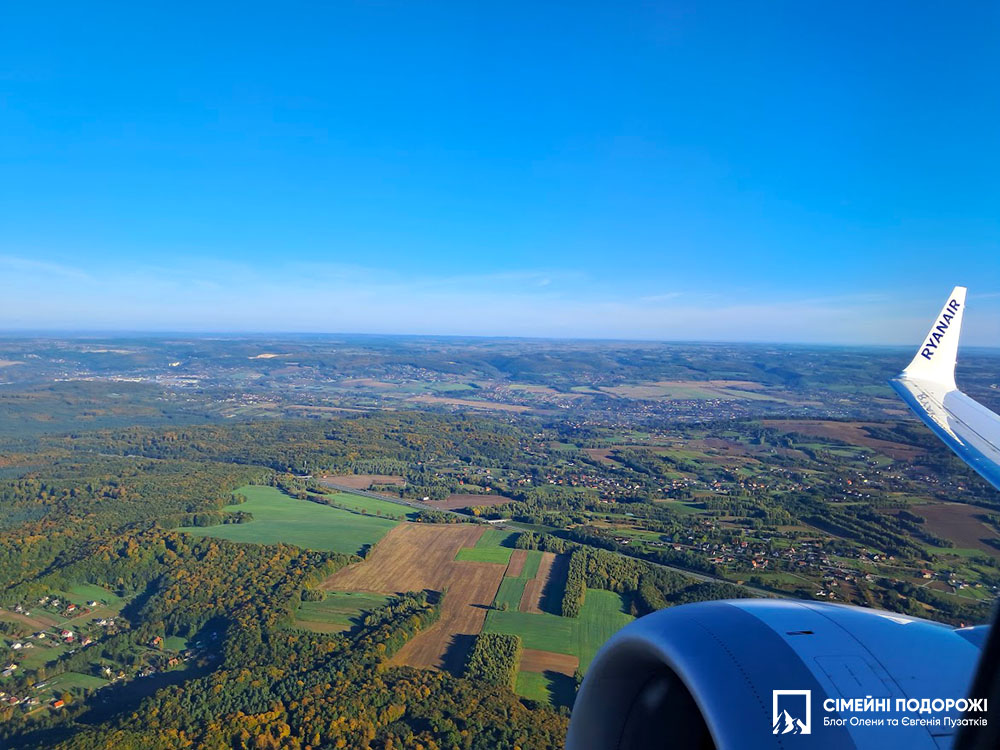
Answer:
(57, 333)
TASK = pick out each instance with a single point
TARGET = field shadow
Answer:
(510, 540)
(133, 608)
(124, 698)
(562, 688)
(555, 586)
(457, 653)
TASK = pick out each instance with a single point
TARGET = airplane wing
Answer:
(751, 674)
(928, 386)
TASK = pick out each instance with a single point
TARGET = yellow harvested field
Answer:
(412, 557)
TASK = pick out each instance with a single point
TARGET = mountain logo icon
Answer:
(791, 712)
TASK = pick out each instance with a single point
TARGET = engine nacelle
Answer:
(705, 676)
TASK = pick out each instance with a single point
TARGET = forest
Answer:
(267, 684)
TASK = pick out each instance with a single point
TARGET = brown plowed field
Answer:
(516, 564)
(35, 623)
(600, 454)
(363, 481)
(850, 432)
(416, 556)
(453, 502)
(531, 599)
(959, 523)
(548, 661)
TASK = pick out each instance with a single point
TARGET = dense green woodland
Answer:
(494, 659)
(100, 509)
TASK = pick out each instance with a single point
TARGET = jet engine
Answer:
(758, 673)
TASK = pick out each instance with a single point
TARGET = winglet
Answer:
(935, 359)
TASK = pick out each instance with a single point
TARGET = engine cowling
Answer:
(704, 676)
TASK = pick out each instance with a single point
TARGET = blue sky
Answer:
(774, 171)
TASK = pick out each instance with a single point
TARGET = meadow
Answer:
(83, 593)
(280, 518)
(603, 614)
(338, 611)
(546, 687)
(494, 546)
(72, 680)
(371, 506)
(510, 592)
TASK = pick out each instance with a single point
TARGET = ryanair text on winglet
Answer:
(940, 329)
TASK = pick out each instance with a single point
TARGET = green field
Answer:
(563, 447)
(498, 538)
(450, 387)
(280, 518)
(510, 591)
(492, 547)
(550, 687)
(175, 643)
(339, 611)
(687, 392)
(42, 654)
(531, 563)
(71, 680)
(956, 551)
(532, 685)
(682, 508)
(83, 593)
(540, 528)
(512, 587)
(372, 506)
(603, 614)
(487, 555)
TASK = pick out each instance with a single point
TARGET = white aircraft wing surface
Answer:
(928, 385)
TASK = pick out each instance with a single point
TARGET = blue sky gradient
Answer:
(773, 171)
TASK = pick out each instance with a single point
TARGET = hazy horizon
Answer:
(671, 172)
(84, 334)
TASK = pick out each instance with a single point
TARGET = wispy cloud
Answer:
(40, 267)
(188, 293)
(658, 298)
